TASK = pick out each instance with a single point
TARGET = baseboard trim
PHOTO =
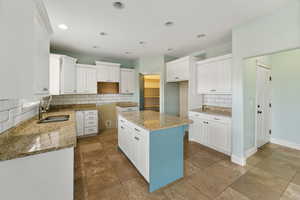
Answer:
(238, 160)
(285, 143)
(250, 152)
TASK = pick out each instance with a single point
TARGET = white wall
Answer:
(286, 97)
(276, 32)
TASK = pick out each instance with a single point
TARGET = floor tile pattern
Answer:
(102, 172)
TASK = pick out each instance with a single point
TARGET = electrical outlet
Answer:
(108, 123)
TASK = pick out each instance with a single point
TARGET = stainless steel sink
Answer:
(58, 118)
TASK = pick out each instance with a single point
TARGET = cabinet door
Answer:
(102, 73)
(81, 80)
(68, 75)
(91, 80)
(195, 130)
(114, 74)
(182, 70)
(205, 80)
(171, 72)
(80, 123)
(224, 76)
(127, 82)
(41, 58)
(219, 136)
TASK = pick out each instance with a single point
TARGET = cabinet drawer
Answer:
(90, 130)
(90, 117)
(91, 113)
(90, 123)
(210, 117)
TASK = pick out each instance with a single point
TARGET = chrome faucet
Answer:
(44, 106)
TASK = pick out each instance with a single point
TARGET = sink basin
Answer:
(58, 118)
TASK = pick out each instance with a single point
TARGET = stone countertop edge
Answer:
(213, 112)
(155, 120)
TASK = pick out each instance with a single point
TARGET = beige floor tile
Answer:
(208, 184)
(183, 190)
(278, 167)
(115, 192)
(292, 192)
(258, 184)
(296, 179)
(231, 194)
(91, 147)
(258, 157)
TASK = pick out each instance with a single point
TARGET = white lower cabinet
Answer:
(211, 131)
(134, 142)
(86, 122)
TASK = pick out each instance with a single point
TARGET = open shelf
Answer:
(151, 96)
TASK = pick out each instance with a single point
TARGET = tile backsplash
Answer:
(90, 99)
(15, 111)
(220, 100)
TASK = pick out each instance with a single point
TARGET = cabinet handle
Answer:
(122, 121)
(122, 127)
(136, 138)
(176, 77)
(205, 122)
(45, 89)
(137, 130)
(216, 118)
(213, 90)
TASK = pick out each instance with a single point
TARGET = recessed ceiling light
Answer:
(201, 36)
(170, 49)
(95, 47)
(118, 5)
(63, 27)
(169, 23)
(142, 42)
(127, 52)
(103, 33)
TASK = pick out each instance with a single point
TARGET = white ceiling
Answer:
(143, 20)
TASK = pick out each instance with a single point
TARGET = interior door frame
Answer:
(258, 64)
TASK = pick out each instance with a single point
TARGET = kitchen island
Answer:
(153, 142)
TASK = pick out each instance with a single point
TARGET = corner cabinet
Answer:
(211, 131)
(108, 72)
(62, 74)
(214, 75)
(86, 79)
(127, 84)
(178, 70)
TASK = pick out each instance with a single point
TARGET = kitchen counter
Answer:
(126, 104)
(218, 111)
(30, 138)
(153, 121)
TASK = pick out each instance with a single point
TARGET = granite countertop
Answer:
(154, 121)
(75, 107)
(127, 104)
(30, 138)
(219, 111)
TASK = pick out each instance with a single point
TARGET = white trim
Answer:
(250, 152)
(285, 143)
(108, 63)
(228, 56)
(238, 160)
(43, 15)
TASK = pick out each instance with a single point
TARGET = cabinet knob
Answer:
(137, 130)
(122, 127)
(136, 138)
(45, 89)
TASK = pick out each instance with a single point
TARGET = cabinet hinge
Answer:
(270, 132)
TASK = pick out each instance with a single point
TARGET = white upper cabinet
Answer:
(108, 72)
(86, 79)
(214, 75)
(178, 70)
(41, 54)
(25, 32)
(127, 85)
(62, 74)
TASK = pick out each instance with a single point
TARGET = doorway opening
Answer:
(150, 92)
